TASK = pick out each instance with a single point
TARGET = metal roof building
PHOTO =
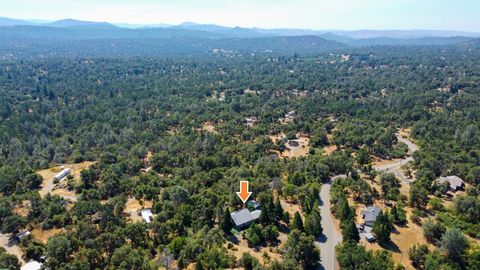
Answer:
(243, 218)
(454, 181)
(370, 215)
(62, 174)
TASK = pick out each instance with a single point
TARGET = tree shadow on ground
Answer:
(283, 228)
(391, 246)
(322, 238)
(233, 238)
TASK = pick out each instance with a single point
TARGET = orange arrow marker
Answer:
(244, 193)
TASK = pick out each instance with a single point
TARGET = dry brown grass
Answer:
(301, 150)
(22, 209)
(242, 247)
(405, 132)
(44, 235)
(48, 174)
(290, 207)
(403, 239)
(329, 149)
(292, 150)
(274, 252)
(383, 162)
(209, 126)
(69, 195)
(133, 206)
(148, 157)
(13, 250)
(59, 189)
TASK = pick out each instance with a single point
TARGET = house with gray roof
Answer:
(256, 214)
(455, 183)
(370, 215)
(243, 218)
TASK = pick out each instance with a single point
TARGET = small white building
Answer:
(22, 235)
(147, 215)
(32, 265)
(59, 176)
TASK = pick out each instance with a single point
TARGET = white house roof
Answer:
(33, 265)
(62, 174)
(21, 235)
(454, 181)
(241, 217)
(147, 215)
(256, 214)
(244, 216)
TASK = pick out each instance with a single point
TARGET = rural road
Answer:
(395, 165)
(330, 237)
(411, 146)
(11, 249)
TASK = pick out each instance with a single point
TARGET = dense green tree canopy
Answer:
(177, 133)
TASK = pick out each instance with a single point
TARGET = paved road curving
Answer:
(331, 237)
(411, 146)
(395, 166)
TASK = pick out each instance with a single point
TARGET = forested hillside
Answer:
(177, 134)
(71, 38)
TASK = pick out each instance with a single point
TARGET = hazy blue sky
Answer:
(313, 14)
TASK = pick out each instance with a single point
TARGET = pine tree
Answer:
(297, 222)
(279, 214)
(394, 213)
(227, 221)
(382, 228)
(344, 210)
(268, 214)
(199, 265)
(349, 231)
(313, 223)
(265, 216)
(398, 213)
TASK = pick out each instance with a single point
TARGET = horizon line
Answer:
(40, 22)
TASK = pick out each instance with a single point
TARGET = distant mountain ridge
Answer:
(78, 30)
(405, 34)
(70, 37)
(77, 23)
(88, 32)
(12, 22)
(242, 32)
(238, 32)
